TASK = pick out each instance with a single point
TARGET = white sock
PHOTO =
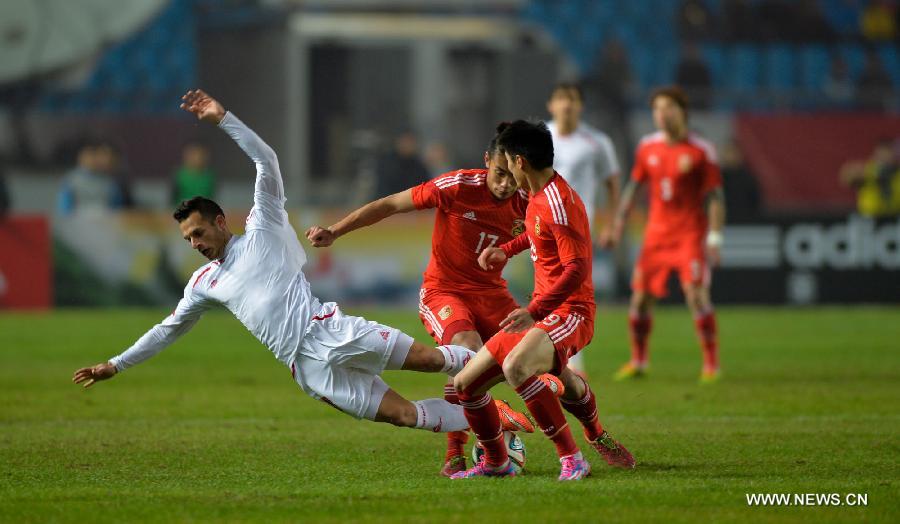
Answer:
(455, 357)
(438, 415)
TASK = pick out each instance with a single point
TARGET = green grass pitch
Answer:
(215, 429)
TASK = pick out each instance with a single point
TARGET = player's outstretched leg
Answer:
(579, 400)
(449, 359)
(533, 355)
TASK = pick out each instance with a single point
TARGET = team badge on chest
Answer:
(518, 227)
(537, 225)
(445, 312)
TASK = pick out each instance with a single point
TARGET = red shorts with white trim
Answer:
(444, 314)
(570, 329)
(687, 256)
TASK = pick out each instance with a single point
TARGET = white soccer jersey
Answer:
(260, 277)
(583, 158)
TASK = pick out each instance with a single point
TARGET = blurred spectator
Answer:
(877, 180)
(694, 20)
(194, 177)
(877, 21)
(839, 87)
(693, 76)
(776, 19)
(95, 184)
(5, 203)
(741, 187)
(874, 85)
(843, 16)
(437, 158)
(739, 22)
(401, 167)
(607, 88)
(810, 24)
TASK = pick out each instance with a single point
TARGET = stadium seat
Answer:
(814, 65)
(780, 67)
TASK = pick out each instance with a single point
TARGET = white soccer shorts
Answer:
(341, 358)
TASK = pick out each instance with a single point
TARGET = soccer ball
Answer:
(515, 448)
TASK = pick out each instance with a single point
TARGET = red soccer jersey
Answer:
(679, 176)
(557, 232)
(469, 219)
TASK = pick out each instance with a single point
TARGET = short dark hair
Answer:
(208, 209)
(530, 140)
(674, 92)
(493, 146)
(568, 86)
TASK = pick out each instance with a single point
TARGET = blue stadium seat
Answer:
(744, 68)
(780, 67)
(855, 56)
(890, 58)
(814, 66)
(715, 59)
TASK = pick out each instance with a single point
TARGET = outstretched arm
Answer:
(367, 215)
(268, 197)
(160, 336)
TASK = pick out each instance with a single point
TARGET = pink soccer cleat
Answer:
(483, 470)
(574, 467)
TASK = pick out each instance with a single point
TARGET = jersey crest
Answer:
(537, 225)
(518, 227)
(445, 312)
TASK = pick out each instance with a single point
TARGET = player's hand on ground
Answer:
(518, 320)
(320, 236)
(491, 257)
(202, 105)
(88, 376)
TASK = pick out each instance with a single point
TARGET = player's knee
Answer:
(462, 386)
(515, 370)
(639, 302)
(468, 339)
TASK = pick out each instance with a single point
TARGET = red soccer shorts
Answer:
(658, 259)
(569, 329)
(446, 313)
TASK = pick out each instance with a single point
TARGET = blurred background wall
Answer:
(800, 97)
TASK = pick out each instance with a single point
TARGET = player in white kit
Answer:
(585, 157)
(258, 276)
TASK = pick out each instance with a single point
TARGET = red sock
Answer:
(545, 409)
(640, 326)
(585, 410)
(485, 422)
(706, 329)
(456, 440)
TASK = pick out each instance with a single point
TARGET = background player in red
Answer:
(684, 229)
(459, 302)
(557, 323)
